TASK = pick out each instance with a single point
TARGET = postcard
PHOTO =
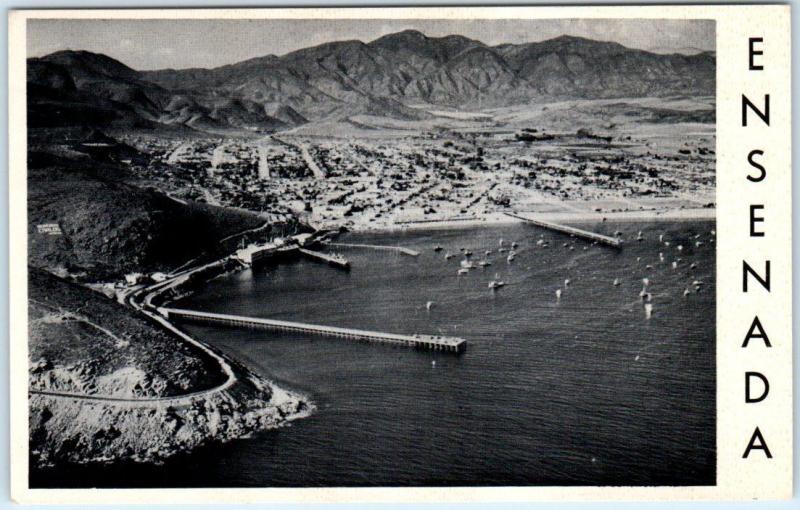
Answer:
(401, 254)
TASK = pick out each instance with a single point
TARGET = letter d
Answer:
(748, 398)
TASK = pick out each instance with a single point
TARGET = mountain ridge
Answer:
(339, 79)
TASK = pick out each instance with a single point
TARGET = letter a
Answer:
(762, 445)
(752, 333)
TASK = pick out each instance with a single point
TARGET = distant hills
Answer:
(387, 77)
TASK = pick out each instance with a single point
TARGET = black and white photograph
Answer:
(319, 253)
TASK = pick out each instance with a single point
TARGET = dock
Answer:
(573, 231)
(333, 260)
(400, 249)
(428, 342)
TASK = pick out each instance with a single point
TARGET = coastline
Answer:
(71, 426)
(110, 429)
(665, 214)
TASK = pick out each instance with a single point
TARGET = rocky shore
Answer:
(107, 385)
(67, 430)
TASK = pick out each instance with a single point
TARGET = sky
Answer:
(178, 44)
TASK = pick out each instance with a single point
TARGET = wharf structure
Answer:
(573, 231)
(296, 245)
(428, 342)
(400, 249)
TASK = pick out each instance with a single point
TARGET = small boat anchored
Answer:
(496, 283)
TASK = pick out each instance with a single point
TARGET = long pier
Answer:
(405, 251)
(577, 232)
(333, 260)
(429, 342)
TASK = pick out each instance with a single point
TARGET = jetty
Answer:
(573, 231)
(334, 260)
(405, 251)
(428, 342)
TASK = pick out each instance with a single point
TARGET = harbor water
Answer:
(585, 389)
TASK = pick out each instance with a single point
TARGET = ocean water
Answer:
(581, 390)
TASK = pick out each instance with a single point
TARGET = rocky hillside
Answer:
(87, 220)
(344, 78)
(123, 366)
(82, 342)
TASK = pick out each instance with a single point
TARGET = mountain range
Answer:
(391, 76)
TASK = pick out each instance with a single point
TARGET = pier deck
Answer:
(324, 257)
(564, 229)
(430, 342)
(405, 251)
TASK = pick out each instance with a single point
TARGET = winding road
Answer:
(175, 400)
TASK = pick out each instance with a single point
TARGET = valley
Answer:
(621, 157)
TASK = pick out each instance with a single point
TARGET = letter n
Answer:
(747, 104)
(761, 445)
(747, 269)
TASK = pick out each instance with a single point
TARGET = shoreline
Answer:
(111, 429)
(244, 389)
(666, 214)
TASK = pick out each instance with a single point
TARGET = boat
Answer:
(616, 282)
(466, 264)
(502, 250)
(496, 283)
(488, 252)
(467, 253)
(484, 263)
(514, 244)
(437, 248)
(463, 270)
(448, 256)
(510, 256)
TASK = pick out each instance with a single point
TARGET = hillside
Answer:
(123, 367)
(107, 227)
(339, 79)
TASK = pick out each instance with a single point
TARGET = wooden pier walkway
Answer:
(430, 342)
(585, 234)
(406, 251)
(335, 261)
